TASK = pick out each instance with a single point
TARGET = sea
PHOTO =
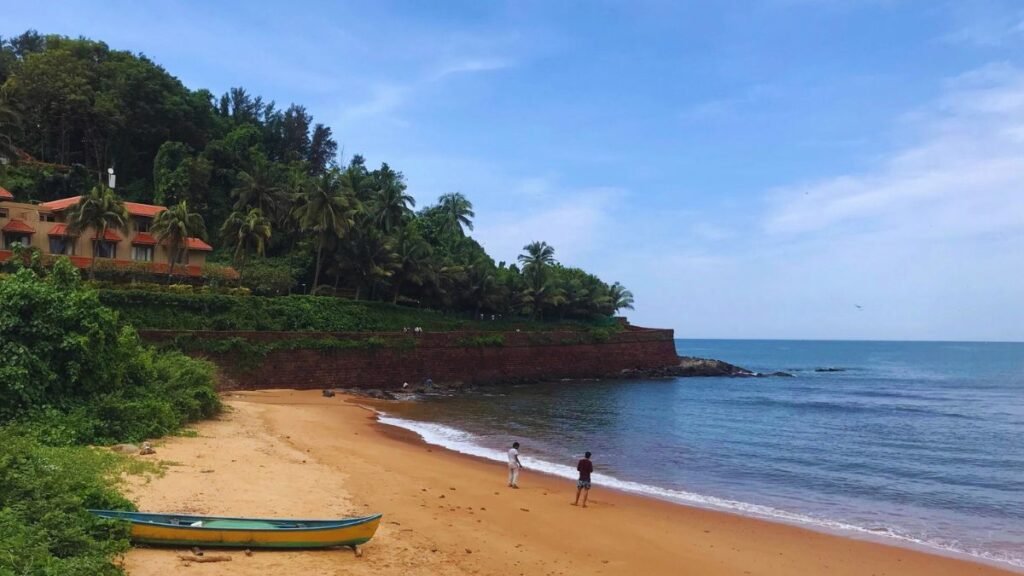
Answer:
(912, 443)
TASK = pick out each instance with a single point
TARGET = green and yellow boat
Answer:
(214, 531)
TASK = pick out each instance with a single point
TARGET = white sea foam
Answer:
(465, 443)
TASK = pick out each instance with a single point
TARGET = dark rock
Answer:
(328, 393)
(830, 369)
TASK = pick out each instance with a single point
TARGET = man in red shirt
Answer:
(585, 467)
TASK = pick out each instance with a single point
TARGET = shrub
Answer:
(45, 492)
(65, 353)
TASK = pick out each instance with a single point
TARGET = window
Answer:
(3, 212)
(142, 253)
(12, 240)
(47, 217)
(142, 224)
(105, 249)
(62, 245)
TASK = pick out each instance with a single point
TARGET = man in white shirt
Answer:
(514, 465)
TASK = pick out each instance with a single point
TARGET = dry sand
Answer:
(297, 454)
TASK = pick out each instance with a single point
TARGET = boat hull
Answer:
(164, 530)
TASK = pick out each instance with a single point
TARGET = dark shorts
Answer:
(584, 484)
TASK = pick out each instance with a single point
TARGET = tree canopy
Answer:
(268, 177)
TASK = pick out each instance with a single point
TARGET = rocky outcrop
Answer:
(690, 366)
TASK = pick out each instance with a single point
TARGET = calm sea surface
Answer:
(921, 443)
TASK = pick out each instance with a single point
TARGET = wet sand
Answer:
(298, 454)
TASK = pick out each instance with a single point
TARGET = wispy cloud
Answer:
(383, 101)
(577, 222)
(730, 106)
(470, 65)
(963, 177)
(985, 24)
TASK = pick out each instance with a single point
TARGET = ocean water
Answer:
(919, 443)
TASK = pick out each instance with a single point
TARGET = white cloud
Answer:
(731, 106)
(384, 100)
(578, 223)
(928, 242)
(963, 178)
(471, 65)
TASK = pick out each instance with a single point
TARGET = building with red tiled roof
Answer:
(44, 226)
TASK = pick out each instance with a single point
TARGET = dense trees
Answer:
(268, 179)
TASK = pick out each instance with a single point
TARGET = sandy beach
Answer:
(298, 454)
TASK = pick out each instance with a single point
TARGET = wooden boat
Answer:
(183, 530)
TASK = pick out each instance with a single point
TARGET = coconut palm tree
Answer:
(248, 232)
(100, 210)
(619, 298)
(369, 255)
(175, 226)
(458, 212)
(413, 261)
(326, 210)
(392, 205)
(538, 257)
(258, 187)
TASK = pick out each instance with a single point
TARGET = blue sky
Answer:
(749, 169)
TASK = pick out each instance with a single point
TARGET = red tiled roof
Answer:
(59, 230)
(111, 236)
(134, 208)
(144, 238)
(197, 244)
(5, 195)
(58, 205)
(146, 210)
(18, 226)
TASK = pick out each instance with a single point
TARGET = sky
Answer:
(808, 169)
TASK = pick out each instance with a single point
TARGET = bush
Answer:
(44, 496)
(66, 354)
(269, 277)
(73, 374)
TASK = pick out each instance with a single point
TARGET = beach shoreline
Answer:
(287, 453)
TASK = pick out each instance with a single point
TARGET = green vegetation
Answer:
(482, 341)
(186, 308)
(292, 216)
(72, 375)
(248, 355)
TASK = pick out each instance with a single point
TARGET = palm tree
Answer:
(175, 226)
(248, 232)
(458, 212)
(100, 210)
(370, 255)
(481, 285)
(619, 298)
(9, 120)
(538, 257)
(326, 211)
(413, 264)
(258, 187)
(392, 205)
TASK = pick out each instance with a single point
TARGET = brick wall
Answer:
(440, 357)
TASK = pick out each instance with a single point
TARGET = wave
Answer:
(464, 442)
